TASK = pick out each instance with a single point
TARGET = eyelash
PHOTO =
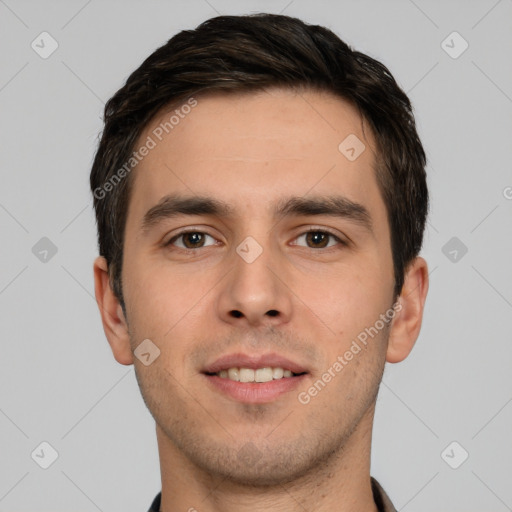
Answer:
(305, 233)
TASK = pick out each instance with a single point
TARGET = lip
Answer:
(253, 392)
(240, 360)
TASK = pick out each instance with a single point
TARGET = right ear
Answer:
(112, 316)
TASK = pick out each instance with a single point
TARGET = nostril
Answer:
(236, 313)
(272, 312)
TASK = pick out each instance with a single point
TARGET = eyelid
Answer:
(342, 240)
(185, 231)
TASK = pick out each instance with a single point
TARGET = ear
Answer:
(406, 324)
(112, 316)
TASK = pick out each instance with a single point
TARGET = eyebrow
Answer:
(335, 206)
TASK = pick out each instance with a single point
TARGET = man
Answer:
(261, 197)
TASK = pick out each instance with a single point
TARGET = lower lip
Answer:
(255, 392)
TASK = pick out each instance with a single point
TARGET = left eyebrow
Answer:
(335, 206)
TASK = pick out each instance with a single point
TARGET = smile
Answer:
(258, 375)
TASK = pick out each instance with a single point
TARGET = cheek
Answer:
(345, 302)
(161, 300)
(148, 299)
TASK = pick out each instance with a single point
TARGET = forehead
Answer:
(301, 119)
(250, 149)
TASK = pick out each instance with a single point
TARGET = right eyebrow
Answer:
(173, 205)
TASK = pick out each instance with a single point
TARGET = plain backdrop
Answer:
(59, 383)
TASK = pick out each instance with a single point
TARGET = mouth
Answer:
(254, 379)
(266, 374)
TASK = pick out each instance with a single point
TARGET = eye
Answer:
(191, 240)
(314, 239)
(318, 239)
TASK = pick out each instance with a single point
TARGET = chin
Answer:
(253, 466)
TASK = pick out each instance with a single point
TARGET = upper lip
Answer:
(240, 360)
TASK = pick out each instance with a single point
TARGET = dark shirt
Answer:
(379, 496)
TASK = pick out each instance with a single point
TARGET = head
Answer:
(243, 121)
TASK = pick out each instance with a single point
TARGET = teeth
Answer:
(249, 375)
(263, 375)
(246, 375)
(277, 373)
(234, 374)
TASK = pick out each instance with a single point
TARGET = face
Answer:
(271, 243)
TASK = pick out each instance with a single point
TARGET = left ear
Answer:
(407, 321)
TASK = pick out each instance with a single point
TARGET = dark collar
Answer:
(155, 506)
(379, 496)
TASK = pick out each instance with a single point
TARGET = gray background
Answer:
(59, 382)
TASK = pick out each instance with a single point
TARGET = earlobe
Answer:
(112, 316)
(407, 322)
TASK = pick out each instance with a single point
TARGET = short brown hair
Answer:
(251, 53)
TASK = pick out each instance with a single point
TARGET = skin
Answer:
(251, 151)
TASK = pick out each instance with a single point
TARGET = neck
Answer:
(338, 483)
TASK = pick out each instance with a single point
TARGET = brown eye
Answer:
(192, 240)
(316, 239)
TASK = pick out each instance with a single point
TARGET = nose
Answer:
(255, 293)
